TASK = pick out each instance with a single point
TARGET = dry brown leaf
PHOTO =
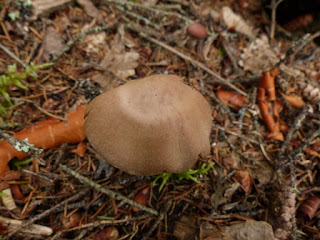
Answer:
(309, 207)
(95, 42)
(294, 100)
(90, 9)
(51, 44)
(236, 22)
(149, 2)
(45, 7)
(187, 226)
(250, 230)
(243, 177)
(117, 62)
(263, 172)
(258, 57)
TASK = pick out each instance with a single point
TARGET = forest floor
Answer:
(256, 62)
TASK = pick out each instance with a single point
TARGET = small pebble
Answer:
(197, 30)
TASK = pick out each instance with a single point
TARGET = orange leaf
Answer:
(294, 100)
(235, 100)
(243, 177)
(46, 134)
(142, 197)
(80, 150)
(267, 87)
(309, 207)
(268, 104)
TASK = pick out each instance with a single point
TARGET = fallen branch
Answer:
(33, 229)
(106, 191)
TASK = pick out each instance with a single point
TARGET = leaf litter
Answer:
(254, 179)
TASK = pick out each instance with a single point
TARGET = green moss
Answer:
(191, 174)
(13, 77)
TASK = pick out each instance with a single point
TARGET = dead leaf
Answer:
(250, 230)
(149, 2)
(294, 100)
(90, 9)
(236, 22)
(117, 62)
(243, 177)
(258, 57)
(309, 207)
(94, 42)
(187, 226)
(80, 150)
(51, 44)
(263, 172)
(45, 7)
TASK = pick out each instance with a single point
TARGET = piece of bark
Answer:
(33, 228)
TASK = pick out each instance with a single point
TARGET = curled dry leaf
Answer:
(232, 99)
(46, 134)
(109, 233)
(236, 22)
(294, 100)
(70, 221)
(142, 197)
(309, 207)
(80, 150)
(243, 177)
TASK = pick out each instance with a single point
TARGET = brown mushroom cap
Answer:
(149, 126)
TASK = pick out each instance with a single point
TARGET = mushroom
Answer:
(150, 126)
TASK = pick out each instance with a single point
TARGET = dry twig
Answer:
(274, 5)
(106, 191)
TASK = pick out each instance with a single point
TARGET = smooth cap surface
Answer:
(149, 126)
